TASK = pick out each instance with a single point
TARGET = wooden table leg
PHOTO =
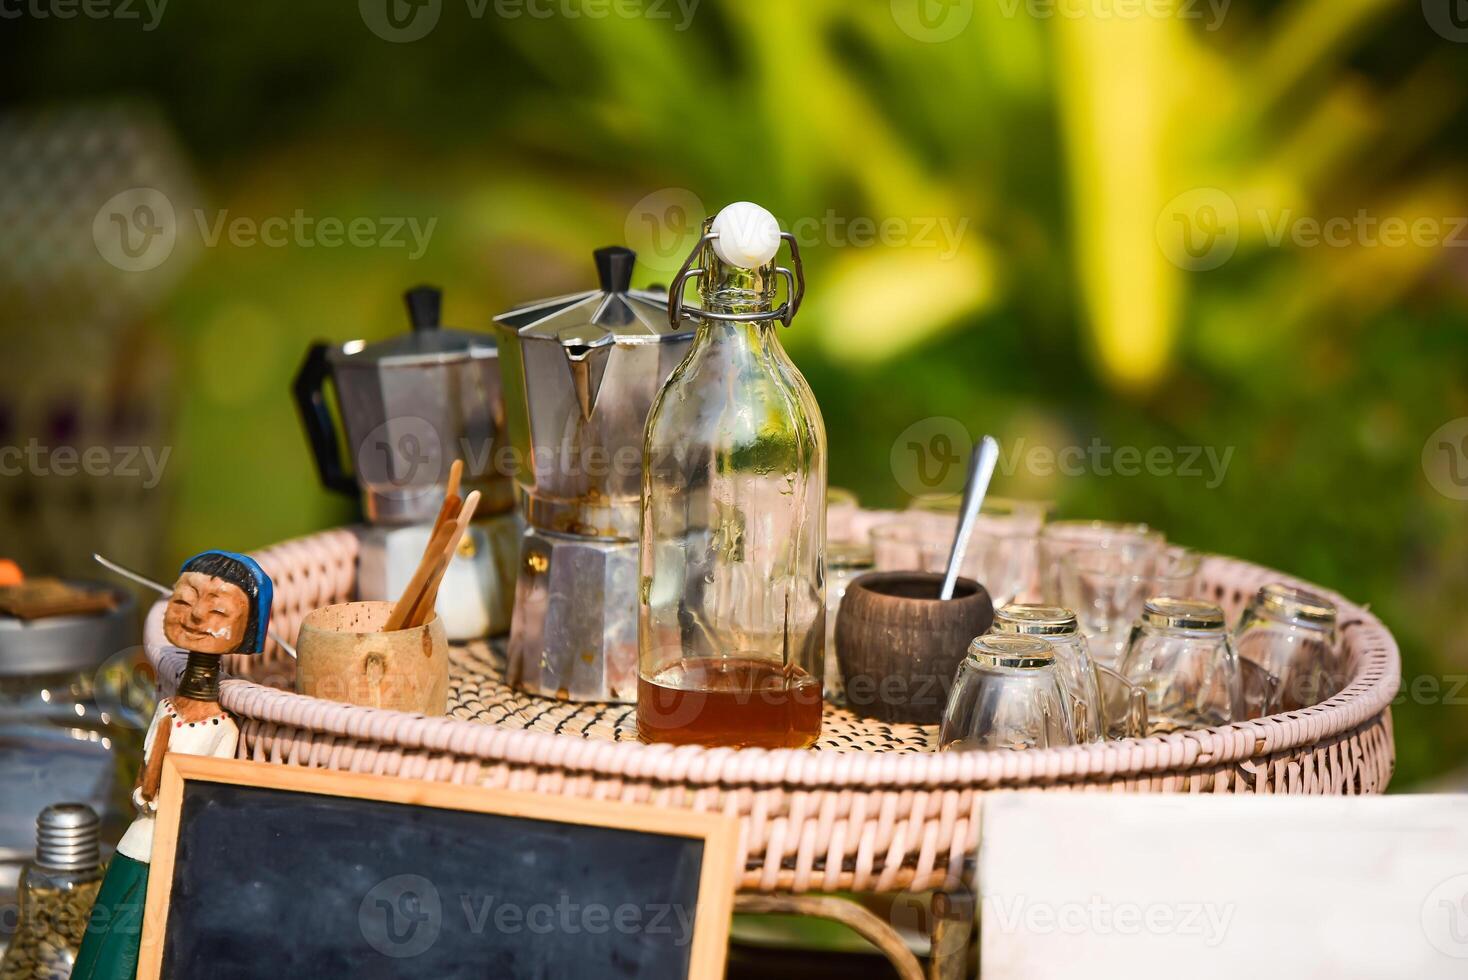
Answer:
(952, 925)
(857, 917)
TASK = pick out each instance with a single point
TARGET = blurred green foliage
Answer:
(1060, 314)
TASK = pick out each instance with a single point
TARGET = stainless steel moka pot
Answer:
(410, 406)
(580, 374)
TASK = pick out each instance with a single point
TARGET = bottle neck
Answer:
(725, 288)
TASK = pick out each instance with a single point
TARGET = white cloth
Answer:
(215, 736)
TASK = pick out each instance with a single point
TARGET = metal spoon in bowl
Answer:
(980, 471)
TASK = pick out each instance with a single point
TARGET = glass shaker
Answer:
(1007, 695)
(1180, 652)
(1291, 633)
(845, 562)
(732, 600)
(1073, 663)
(57, 890)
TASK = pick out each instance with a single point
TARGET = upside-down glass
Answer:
(842, 508)
(999, 512)
(1106, 587)
(1181, 653)
(1073, 664)
(1060, 538)
(1001, 561)
(1292, 634)
(1260, 688)
(1123, 705)
(845, 562)
(1007, 695)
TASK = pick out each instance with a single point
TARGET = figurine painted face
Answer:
(220, 604)
(206, 614)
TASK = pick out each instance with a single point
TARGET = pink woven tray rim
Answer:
(1369, 645)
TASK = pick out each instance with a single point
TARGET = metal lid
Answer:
(67, 644)
(614, 314)
(1025, 619)
(427, 343)
(1167, 612)
(66, 837)
(1023, 652)
(849, 554)
(1288, 602)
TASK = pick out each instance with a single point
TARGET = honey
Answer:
(733, 701)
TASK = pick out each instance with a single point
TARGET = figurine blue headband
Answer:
(243, 571)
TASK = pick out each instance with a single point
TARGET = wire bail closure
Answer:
(785, 312)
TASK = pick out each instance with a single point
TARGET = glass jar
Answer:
(75, 699)
(57, 890)
(1291, 634)
(1181, 654)
(1007, 696)
(732, 600)
(1073, 664)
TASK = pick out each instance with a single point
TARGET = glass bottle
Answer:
(57, 890)
(732, 594)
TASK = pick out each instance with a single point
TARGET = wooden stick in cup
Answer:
(423, 611)
(456, 472)
(414, 589)
(442, 524)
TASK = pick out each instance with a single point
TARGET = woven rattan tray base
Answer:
(861, 818)
(478, 692)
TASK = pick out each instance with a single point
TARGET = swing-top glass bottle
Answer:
(732, 597)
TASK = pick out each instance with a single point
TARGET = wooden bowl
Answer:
(342, 655)
(899, 646)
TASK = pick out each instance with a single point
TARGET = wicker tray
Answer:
(869, 810)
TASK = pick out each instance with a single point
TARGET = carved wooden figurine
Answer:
(220, 604)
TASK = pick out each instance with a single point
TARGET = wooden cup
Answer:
(899, 645)
(343, 656)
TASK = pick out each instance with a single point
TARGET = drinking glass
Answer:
(1003, 561)
(1007, 696)
(1291, 633)
(1060, 538)
(998, 512)
(1181, 653)
(845, 562)
(841, 510)
(1106, 587)
(1073, 665)
(1123, 705)
(1261, 689)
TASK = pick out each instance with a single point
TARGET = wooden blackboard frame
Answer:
(719, 832)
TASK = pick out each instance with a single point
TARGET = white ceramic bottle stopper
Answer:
(749, 236)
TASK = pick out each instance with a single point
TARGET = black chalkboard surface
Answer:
(281, 872)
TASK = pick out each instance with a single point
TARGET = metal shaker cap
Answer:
(1022, 652)
(67, 837)
(1167, 612)
(613, 314)
(1287, 602)
(1034, 620)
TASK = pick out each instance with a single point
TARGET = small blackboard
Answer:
(278, 871)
